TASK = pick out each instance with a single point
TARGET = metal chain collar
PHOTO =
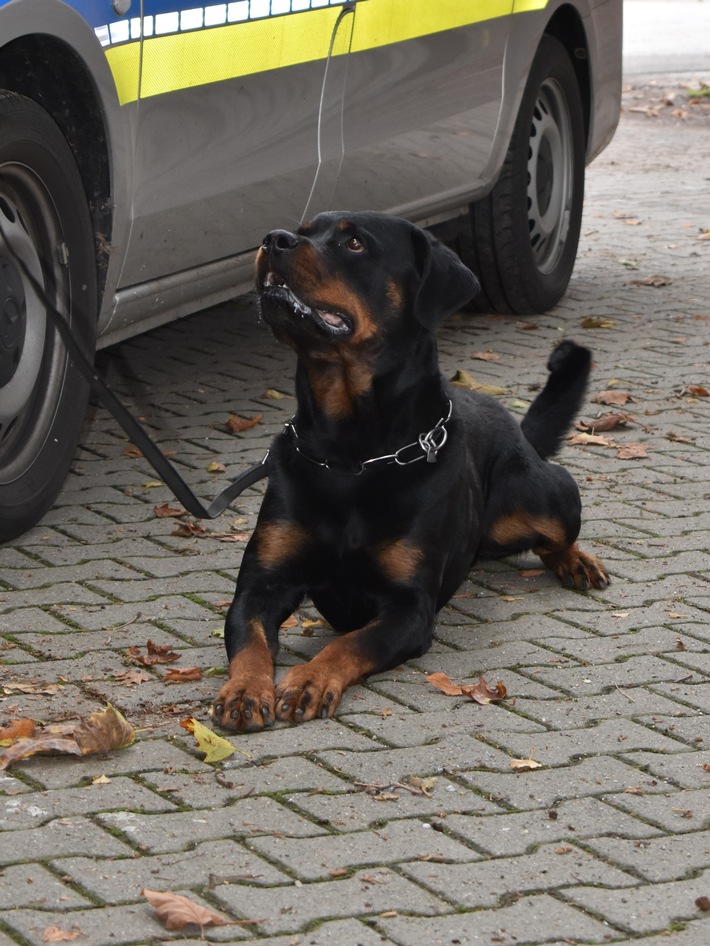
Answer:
(427, 446)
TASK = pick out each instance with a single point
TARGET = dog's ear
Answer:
(445, 283)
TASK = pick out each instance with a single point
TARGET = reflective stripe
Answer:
(187, 57)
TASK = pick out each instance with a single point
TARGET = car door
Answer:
(424, 93)
(227, 126)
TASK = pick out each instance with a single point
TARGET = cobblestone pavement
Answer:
(401, 820)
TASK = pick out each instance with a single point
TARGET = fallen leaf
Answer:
(604, 423)
(291, 621)
(237, 425)
(462, 379)
(479, 692)
(694, 390)
(632, 451)
(590, 440)
(190, 528)
(152, 484)
(41, 688)
(53, 934)
(131, 677)
(166, 511)
(18, 729)
(182, 674)
(563, 850)
(526, 326)
(101, 780)
(274, 395)
(655, 281)
(531, 572)
(679, 643)
(524, 765)
(216, 467)
(485, 356)
(703, 903)
(176, 912)
(617, 398)
(593, 321)
(132, 451)
(156, 654)
(102, 731)
(215, 747)
(679, 438)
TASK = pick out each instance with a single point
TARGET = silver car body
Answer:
(199, 128)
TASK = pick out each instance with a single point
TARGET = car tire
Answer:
(525, 232)
(45, 222)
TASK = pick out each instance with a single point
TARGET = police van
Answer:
(147, 145)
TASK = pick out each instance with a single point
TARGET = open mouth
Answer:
(336, 323)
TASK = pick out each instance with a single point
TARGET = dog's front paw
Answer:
(577, 569)
(245, 704)
(307, 692)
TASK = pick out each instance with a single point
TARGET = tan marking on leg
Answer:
(247, 699)
(516, 527)
(398, 560)
(316, 688)
(277, 542)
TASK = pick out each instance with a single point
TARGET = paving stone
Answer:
(207, 865)
(658, 859)
(556, 748)
(579, 681)
(493, 881)
(541, 787)
(405, 840)
(530, 920)
(244, 817)
(689, 769)
(571, 712)
(31, 885)
(645, 909)
(680, 812)
(58, 838)
(20, 811)
(516, 833)
(367, 893)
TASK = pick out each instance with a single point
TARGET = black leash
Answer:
(136, 433)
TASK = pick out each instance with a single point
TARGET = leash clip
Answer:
(432, 442)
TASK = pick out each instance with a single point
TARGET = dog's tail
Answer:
(551, 413)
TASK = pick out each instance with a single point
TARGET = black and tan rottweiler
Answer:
(387, 485)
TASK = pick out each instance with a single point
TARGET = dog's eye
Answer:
(354, 245)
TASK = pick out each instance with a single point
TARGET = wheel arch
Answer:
(48, 71)
(566, 27)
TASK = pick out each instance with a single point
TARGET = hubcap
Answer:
(22, 317)
(550, 180)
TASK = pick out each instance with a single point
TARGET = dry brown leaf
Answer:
(53, 934)
(156, 654)
(176, 912)
(237, 425)
(182, 674)
(632, 451)
(462, 379)
(590, 440)
(616, 398)
(480, 692)
(485, 356)
(166, 511)
(18, 729)
(679, 438)
(606, 422)
(703, 903)
(44, 689)
(531, 572)
(526, 326)
(291, 621)
(524, 765)
(100, 732)
(695, 390)
(655, 281)
(190, 528)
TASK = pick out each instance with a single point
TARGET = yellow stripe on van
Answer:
(185, 60)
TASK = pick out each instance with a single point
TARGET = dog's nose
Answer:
(280, 240)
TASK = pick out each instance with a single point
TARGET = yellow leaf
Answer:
(215, 747)
(524, 765)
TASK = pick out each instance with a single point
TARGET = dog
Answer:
(387, 485)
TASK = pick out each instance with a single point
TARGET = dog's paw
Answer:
(307, 692)
(577, 569)
(245, 704)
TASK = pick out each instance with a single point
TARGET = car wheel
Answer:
(526, 231)
(45, 230)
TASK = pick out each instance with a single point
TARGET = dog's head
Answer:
(345, 279)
